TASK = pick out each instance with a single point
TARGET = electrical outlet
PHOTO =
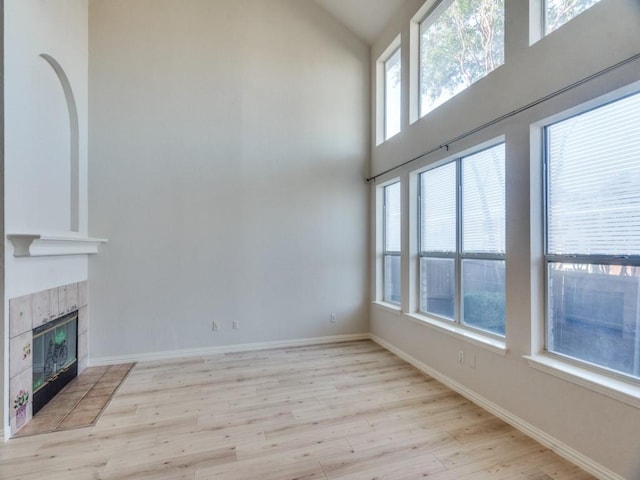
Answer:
(214, 326)
(236, 325)
(461, 356)
(333, 318)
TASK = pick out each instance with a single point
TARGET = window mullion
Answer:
(482, 256)
(631, 260)
(438, 254)
(545, 192)
(458, 312)
(384, 222)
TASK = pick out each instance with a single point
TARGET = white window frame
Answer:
(606, 382)
(428, 14)
(387, 134)
(544, 17)
(390, 253)
(381, 88)
(584, 259)
(414, 58)
(538, 20)
(456, 325)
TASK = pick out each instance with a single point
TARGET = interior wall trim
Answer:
(518, 423)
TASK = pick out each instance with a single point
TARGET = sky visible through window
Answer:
(392, 95)
(559, 12)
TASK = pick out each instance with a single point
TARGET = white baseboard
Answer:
(244, 347)
(540, 436)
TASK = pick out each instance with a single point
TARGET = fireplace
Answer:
(47, 347)
(55, 358)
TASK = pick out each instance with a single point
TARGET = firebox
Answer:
(55, 358)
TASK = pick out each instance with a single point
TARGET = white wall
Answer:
(228, 146)
(37, 145)
(3, 327)
(607, 431)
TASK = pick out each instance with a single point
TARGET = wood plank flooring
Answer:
(348, 411)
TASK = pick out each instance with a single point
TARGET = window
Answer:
(392, 95)
(593, 236)
(462, 241)
(391, 241)
(461, 41)
(559, 12)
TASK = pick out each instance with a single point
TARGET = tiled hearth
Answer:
(80, 403)
(25, 314)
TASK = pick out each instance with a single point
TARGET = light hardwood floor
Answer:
(339, 411)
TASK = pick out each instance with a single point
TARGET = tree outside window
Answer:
(461, 42)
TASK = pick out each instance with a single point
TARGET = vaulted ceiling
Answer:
(366, 18)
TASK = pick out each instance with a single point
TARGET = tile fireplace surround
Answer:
(25, 314)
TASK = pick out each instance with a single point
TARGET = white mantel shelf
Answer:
(41, 245)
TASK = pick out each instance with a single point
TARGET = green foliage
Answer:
(485, 310)
(559, 12)
(462, 45)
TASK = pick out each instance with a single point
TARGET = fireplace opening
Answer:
(55, 358)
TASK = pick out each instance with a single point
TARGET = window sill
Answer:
(389, 307)
(492, 344)
(625, 392)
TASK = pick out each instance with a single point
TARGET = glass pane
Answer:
(391, 276)
(437, 286)
(392, 218)
(438, 209)
(392, 95)
(38, 362)
(594, 181)
(459, 46)
(483, 287)
(71, 342)
(483, 204)
(559, 12)
(50, 357)
(593, 312)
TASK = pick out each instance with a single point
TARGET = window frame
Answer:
(441, 255)
(428, 18)
(428, 14)
(381, 91)
(390, 253)
(544, 20)
(459, 255)
(582, 259)
(385, 126)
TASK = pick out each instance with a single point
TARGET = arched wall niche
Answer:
(72, 242)
(74, 139)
